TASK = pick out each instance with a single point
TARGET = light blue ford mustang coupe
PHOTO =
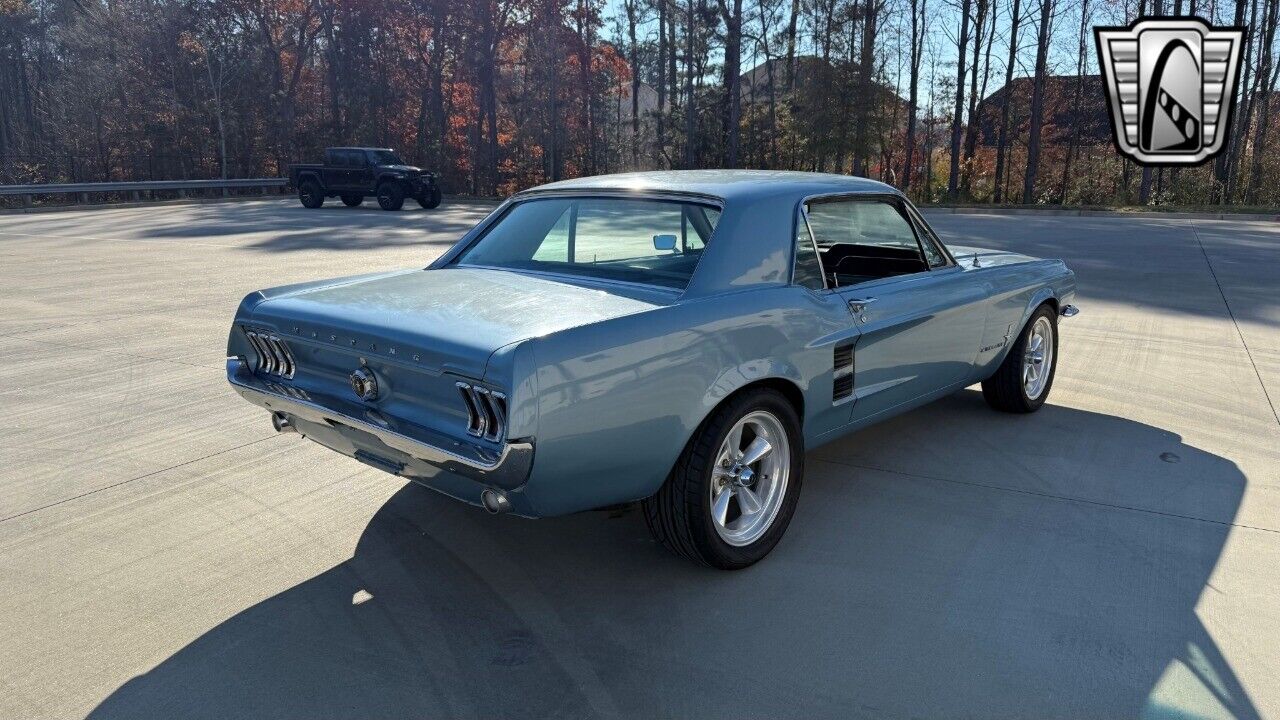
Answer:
(678, 338)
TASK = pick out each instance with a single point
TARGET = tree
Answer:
(918, 10)
(1002, 140)
(1037, 102)
(957, 119)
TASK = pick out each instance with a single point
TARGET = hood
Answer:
(450, 319)
(410, 169)
(965, 254)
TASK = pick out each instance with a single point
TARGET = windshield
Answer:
(657, 242)
(386, 157)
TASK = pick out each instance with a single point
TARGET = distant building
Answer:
(1061, 117)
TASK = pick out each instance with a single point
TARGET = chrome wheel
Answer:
(1037, 360)
(749, 480)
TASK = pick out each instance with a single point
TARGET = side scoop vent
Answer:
(274, 356)
(842, 376)
(486, 411)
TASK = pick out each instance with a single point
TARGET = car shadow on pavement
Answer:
(952, 562)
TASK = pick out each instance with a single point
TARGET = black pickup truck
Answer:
(354, 173)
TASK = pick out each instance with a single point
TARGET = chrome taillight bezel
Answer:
(486, 411)
(273, 356)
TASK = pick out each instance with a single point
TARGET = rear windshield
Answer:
(656, 242)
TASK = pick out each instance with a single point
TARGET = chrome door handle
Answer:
(860, 304)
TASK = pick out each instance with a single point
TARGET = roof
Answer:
(755, 235)
(728, 185)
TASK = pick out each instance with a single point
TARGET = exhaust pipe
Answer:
(281, 423)
(494, 501)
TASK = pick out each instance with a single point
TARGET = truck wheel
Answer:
(311, 195)
(431, 198)
(734, 489)
(390, 196)
(1023, 380)
(352, 200)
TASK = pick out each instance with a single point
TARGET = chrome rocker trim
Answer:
(507, 469)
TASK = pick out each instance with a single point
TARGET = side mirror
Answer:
(664, 242)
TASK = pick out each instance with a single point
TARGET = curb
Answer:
(1070, 212)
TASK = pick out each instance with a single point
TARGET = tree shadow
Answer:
(285, 227)
(953, 562)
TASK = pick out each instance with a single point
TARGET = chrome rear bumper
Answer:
(1069, 311)
(507, 469)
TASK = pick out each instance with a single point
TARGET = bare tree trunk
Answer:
(630, 7)
(1037, 102)
(1077, 100)
(953, 180)
(917, 47)
(585, 45)
(1223, 167)
(791, 46)
(1268, 71)
(971, 128)
(1003, 139)
(690, 104)
(732, 112)
(870, 19)
(660, 143)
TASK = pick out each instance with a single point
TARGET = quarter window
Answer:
(808, 267)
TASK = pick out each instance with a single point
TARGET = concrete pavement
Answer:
(165, 554)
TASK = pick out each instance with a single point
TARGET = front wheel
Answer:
(430, 198)
(1022, 382)
(390, 196)
(734, 489)
(310, 194)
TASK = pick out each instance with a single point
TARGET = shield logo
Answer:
(1169, 84)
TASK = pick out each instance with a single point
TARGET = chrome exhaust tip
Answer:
(281, 423)
(494, 502)
(1069, 311)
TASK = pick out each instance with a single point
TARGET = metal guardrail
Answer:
(134, 189)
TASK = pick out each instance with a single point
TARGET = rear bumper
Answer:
(457, 468)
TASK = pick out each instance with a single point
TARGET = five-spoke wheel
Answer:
(733, 491)
(750, 478)
(1022, 382)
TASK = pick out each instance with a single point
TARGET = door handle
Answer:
(858, 307)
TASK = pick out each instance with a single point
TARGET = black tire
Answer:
(1005, 389)
(679, 515)
(430, 199)
(310, 194)
(352, 200)
(390, 196)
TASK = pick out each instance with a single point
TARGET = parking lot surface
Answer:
(165, 554)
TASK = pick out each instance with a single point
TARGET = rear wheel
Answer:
(430, 198)
(734, 489)
(390, 196)
(310, 194)
(352, 200)
(1022, 382)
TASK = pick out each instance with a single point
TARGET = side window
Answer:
(356, 159)
(865, 239)
(335, 158)
(808, 271)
